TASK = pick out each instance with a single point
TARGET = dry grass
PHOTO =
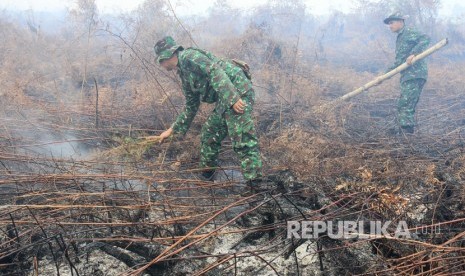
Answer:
(131, 148)
(149, 195)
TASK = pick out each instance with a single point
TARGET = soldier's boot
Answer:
(207, 175)
(407, 129)
(393, 131)
(255, 183)
(260, 184)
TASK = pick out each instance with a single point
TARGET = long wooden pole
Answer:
(393, 72)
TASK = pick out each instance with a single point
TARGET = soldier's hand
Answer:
(410, 59)
(239, 106)
(165, 134)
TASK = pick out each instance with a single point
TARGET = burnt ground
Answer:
(63, 215)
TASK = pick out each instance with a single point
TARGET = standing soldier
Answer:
(409, 43)
(226, 83)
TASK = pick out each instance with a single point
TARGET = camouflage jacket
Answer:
(208, 79)
(411, 42)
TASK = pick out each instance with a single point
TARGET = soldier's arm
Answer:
(185, 118)
(422, 42)
(228, 94)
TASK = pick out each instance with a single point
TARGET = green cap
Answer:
(165, 48)
(394, 16)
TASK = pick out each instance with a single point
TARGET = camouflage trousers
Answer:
(241, 130)
(410, 91)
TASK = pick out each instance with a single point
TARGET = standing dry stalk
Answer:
(96, 104)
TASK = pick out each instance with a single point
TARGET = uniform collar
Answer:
(178, 69)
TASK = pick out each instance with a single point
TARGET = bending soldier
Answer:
(225, 83)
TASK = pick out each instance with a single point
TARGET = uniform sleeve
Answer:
(185, 118)
(228, 94)
(422, 42)
(419, 41)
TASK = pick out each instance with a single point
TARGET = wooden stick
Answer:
(393, 72)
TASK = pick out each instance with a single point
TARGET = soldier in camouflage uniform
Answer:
(206, 78)
(409, 43)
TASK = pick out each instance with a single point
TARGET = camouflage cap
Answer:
(165, 48)
(394, 16)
